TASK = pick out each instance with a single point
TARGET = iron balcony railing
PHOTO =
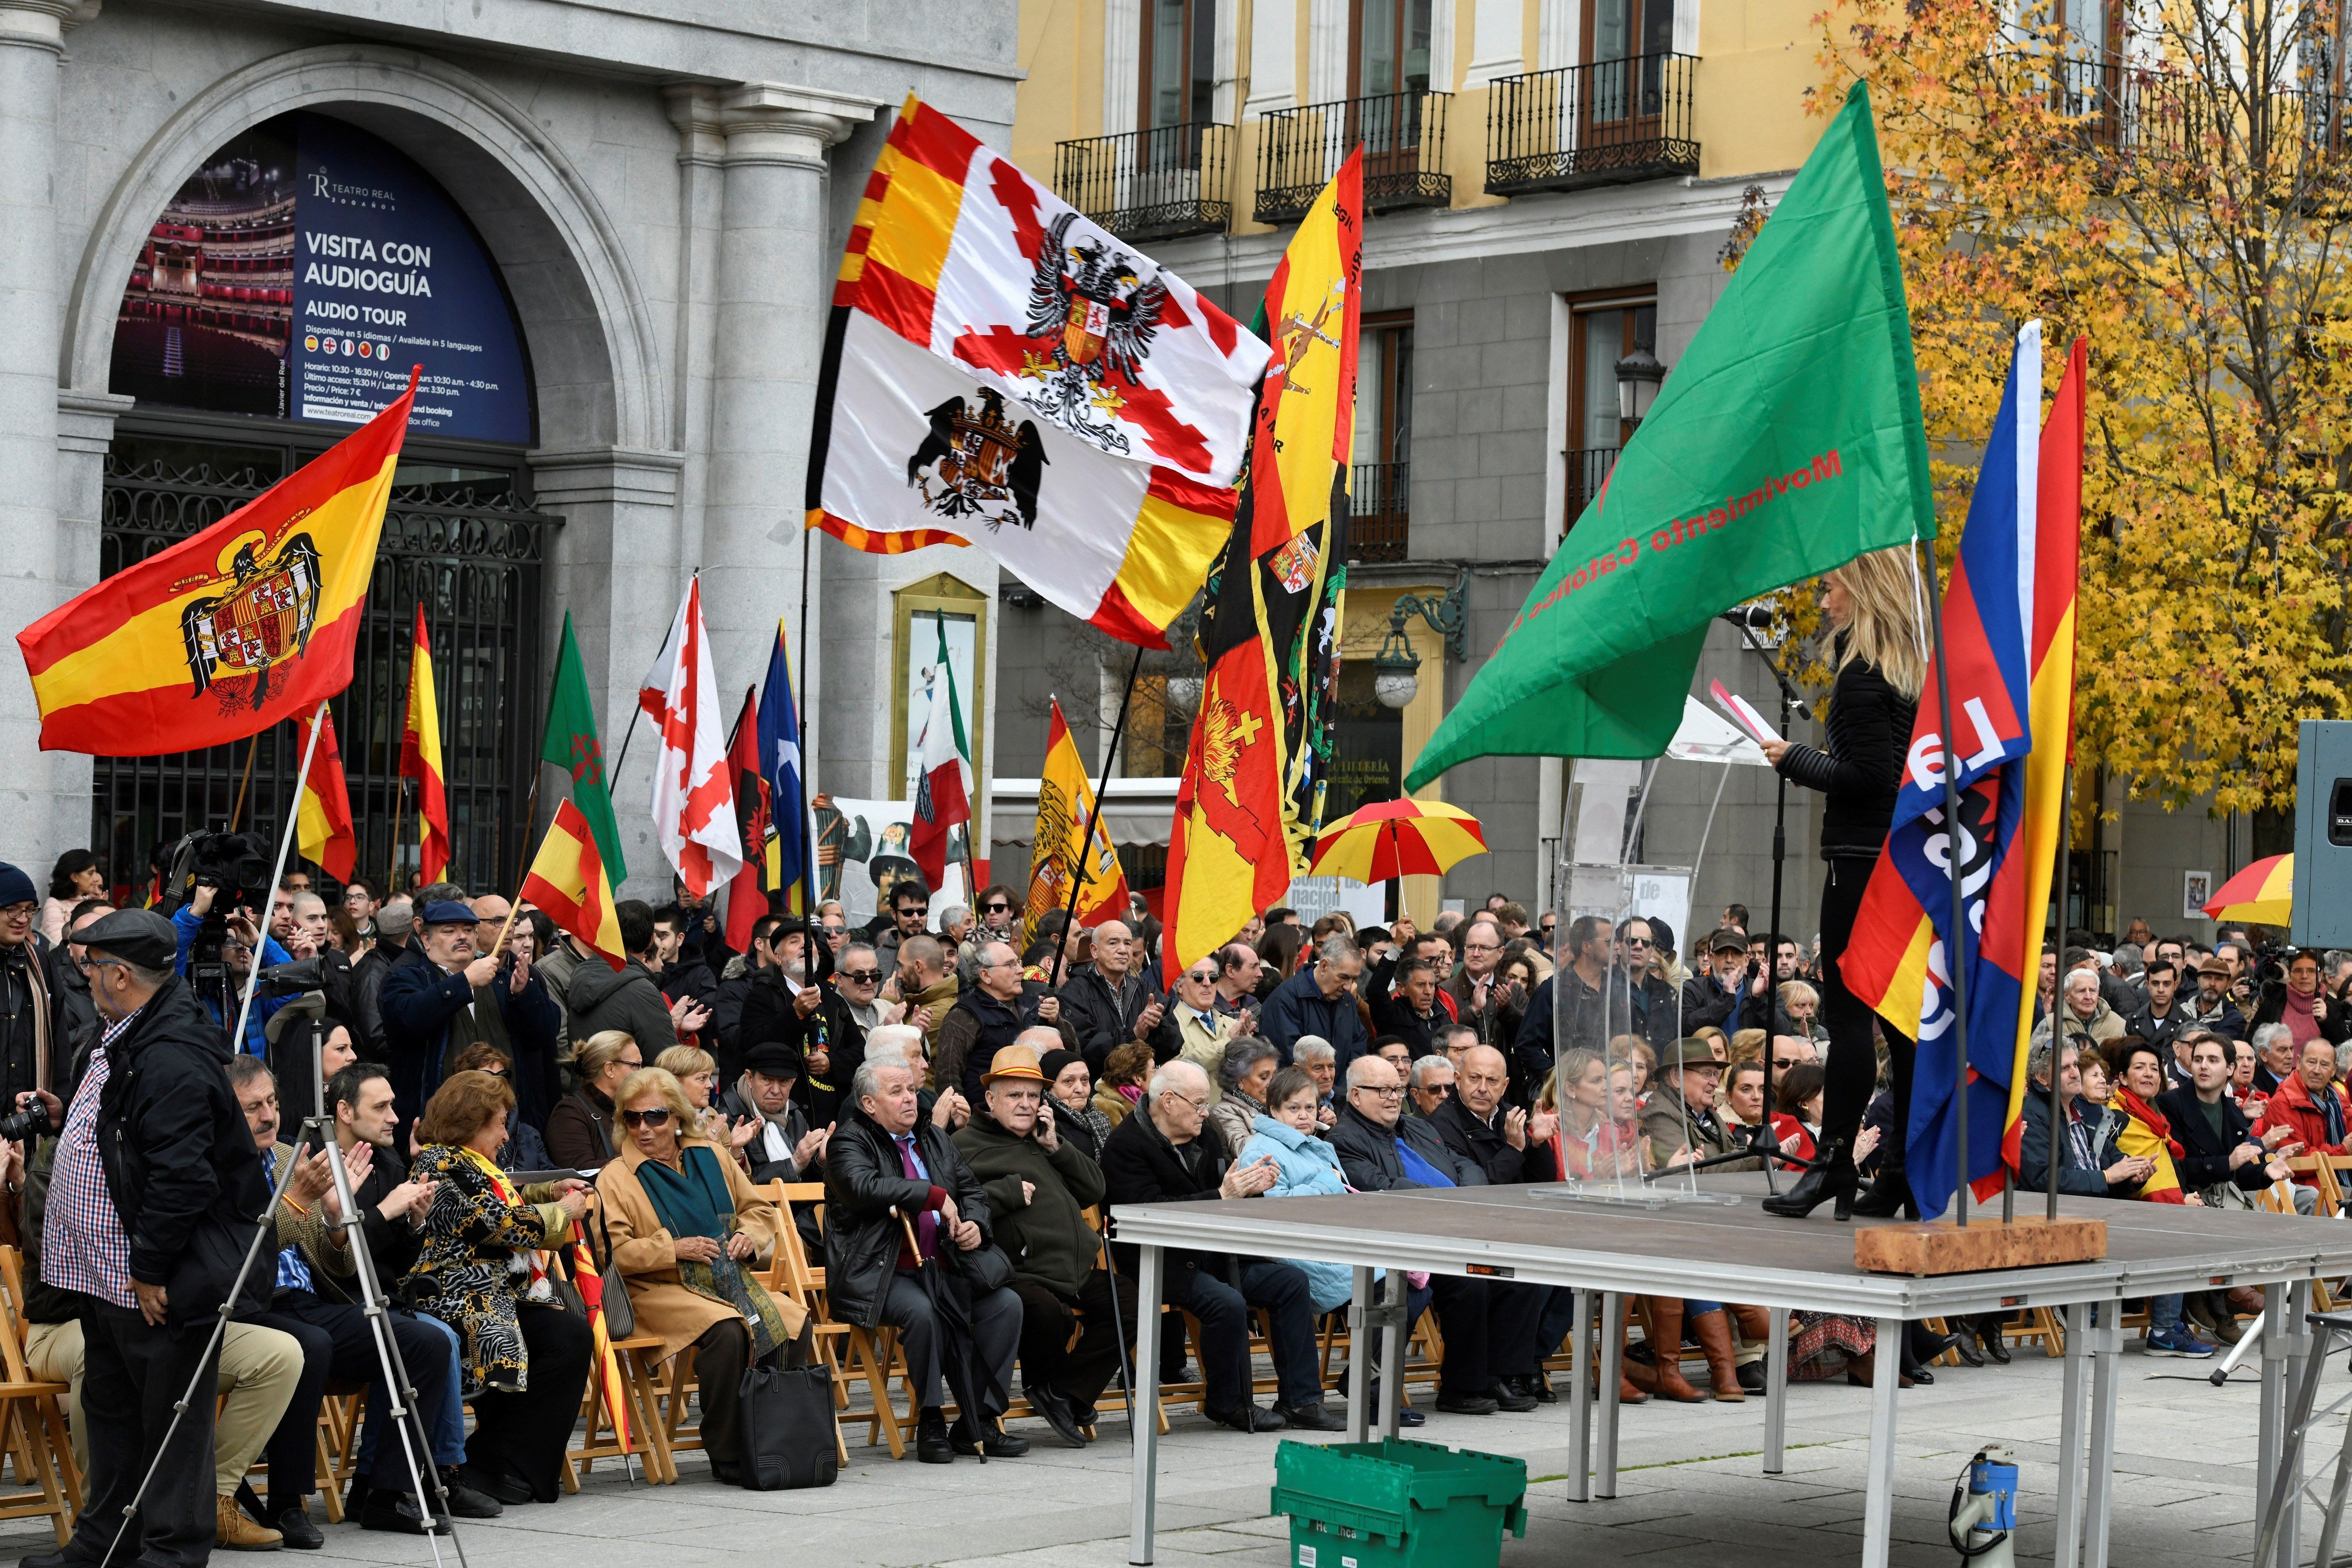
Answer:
(1151, 184)
(1608, 122)
(1588, 470)
(1380, 507)
(2126, 111)
(1402, 135)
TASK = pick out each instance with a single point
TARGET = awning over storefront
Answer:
(1134, 811)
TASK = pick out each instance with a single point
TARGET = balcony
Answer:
(1150, 185)
(1611, 122)
(2125, 112)
(1588, 470)
(1403, 138)
(1379, 503)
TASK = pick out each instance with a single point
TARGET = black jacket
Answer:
(2207, 1161)
(1482, 1145)
(977, 1028)
(2159, 1032)
(1868, 728)
(1705, 1002)
(735, 1107)
(865, 1190)
(2073, 1177)
(27, 1021)
(1140, 1166)
(1368, 1152)
(74, 1025)
(690, 976)
(1103, 1020)
(180, 1163)
(1392, 1014)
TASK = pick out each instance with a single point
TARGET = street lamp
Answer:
(1396, 668)
(1638, 376)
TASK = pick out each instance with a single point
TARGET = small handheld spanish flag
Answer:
(567, 879)
(325, 813)
(226, 633)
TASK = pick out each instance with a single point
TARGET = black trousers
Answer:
(1490, 1331)
(1851, 1069)
(131, 1377)
(995, 1336)
(523, 1435)
(722, 1355)
(1048, 1360)
(338, 1348)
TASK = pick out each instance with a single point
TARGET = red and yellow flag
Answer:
(567, 879)
(324, 818)
(420, 759)
(225, 634)
(1058, 850)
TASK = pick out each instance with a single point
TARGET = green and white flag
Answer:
(1787, 442)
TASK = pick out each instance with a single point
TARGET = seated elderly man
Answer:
(1039, 1185)
(1487, 1323)
(947, 1109)
(1680, 1124)
(1431, 1084)
(1314, 1053)
(785, 1148)
(884, 1161)
(1160, 1155)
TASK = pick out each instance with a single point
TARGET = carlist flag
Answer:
(225, 634)
(1059, 850)
(1787, 441)
(1000, 371)
(324, 816)
(694, 793)
(420, 757)
(567, 879)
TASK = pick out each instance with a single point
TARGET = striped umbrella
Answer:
(2261, 894)
(1398, 838)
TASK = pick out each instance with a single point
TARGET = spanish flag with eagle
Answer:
(225, 633)
(1251, 800)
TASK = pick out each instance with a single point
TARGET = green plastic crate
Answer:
(1397, 1504)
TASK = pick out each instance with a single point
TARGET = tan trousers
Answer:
(258, 1370)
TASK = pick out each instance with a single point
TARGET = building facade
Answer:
(606, 233)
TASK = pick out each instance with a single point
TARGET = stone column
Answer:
(35, 819)
(774, 278)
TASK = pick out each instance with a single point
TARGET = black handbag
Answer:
(789, 1441)
(620, 1312)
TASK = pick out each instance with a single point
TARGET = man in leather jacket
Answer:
(885, 1161)
(154, 1198)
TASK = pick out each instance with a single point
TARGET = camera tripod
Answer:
(414, 1441)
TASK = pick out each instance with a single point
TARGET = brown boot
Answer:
(1754, 1323)
(239, 1533)
(2246, 1300)
(1722, 1369)
(1626, 1393)
(1663, 1376)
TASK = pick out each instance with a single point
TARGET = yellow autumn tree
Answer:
(2180, 192)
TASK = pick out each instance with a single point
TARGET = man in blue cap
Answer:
(428, 1003)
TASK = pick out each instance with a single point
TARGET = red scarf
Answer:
(2155, 1119)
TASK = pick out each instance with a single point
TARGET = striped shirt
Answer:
(83, 1244)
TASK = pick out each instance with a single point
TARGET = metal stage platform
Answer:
(1735, 1252)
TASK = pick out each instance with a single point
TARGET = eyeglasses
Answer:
(996, 909)
(1785, 1061)
(861, 976)
(1202, 976)
(1195, 1104)
(1396, 1093)
(1550, 927)
(657, 1117)
(495, 1072)
(1481, 947)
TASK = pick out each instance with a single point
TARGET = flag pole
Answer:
(529, 815)
(801, 726)
(236, 813)
(1956, 951)
(2057, 1023)
(277, 872)
(1094, 814)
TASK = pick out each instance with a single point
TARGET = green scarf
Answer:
(692, 1203)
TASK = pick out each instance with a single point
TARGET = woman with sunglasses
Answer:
(686, 1230)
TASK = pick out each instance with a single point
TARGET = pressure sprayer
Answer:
(1984, 1509)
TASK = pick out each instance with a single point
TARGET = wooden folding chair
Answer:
(791, 1274)
(2044, 1325)
(2321, 1169)
(31, 1424)
(340, 1413)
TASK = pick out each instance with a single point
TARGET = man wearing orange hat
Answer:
(1039, 1186)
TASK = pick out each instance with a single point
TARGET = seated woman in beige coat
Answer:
(686, 1230)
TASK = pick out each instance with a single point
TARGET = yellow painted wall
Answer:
(1062, 50)
(1755, 62)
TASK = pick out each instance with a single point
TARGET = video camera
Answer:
(236, 865)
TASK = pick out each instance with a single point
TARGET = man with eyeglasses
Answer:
(910, 904)
(858, 981)
(1110, 1003)
(1652, 1000)
(74, 1017)
(1480, 998)
(1545, 931)
(1159, 1155)
(1320, 1000)
(985, 1020)
(1195, 1028)
(1597, 1002)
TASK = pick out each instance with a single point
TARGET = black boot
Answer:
(1889, 1194)
(1835, 1180)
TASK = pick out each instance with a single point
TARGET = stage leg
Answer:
(1359, 1360)
(1579, 1401)
(1612, 1337)
(1775, 1393)
(2070, 1438)
(1878, 1501)
(1393, 1332)
(2099, 1496)
(2272, 1433)
(1143, 1406)
(2298, 1349)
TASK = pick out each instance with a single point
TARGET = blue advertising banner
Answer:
(302, 272)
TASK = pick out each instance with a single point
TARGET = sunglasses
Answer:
(657, 1117)
(861, 976)
(995, 909)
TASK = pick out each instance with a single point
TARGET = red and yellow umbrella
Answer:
(1398, 838)
(2261, 894)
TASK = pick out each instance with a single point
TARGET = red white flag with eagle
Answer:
(694, 791)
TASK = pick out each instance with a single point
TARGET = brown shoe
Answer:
(237, 1531)
(2245, 1300)
(1754, 1323)
(1862, 1371)
(1663, 1375)
(1626, 1393)
(1722, 1361)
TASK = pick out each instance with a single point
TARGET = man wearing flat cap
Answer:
(1039, 1185)
(785, 1148)
(1681, 1124)
(430, 1005)
(153, 1199)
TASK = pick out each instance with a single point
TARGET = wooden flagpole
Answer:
(1094, 814)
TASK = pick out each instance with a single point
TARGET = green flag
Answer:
(1787, 442)
(571, 744)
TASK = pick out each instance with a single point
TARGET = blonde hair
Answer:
(656, 1082)
(1888, 594)
(600, 1050)
(685, 1061)
(1747, 1045)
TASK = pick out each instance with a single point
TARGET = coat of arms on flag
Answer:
(256, 613)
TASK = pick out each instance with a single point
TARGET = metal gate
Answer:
(460, 537)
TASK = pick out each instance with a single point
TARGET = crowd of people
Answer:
(507, 1109)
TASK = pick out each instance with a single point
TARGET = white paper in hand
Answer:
(1743, 713)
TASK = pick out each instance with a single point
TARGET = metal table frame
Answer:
(2281, 1255)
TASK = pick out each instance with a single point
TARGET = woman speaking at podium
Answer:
(1870, 603)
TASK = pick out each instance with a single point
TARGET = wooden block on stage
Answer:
(1940, 1246)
